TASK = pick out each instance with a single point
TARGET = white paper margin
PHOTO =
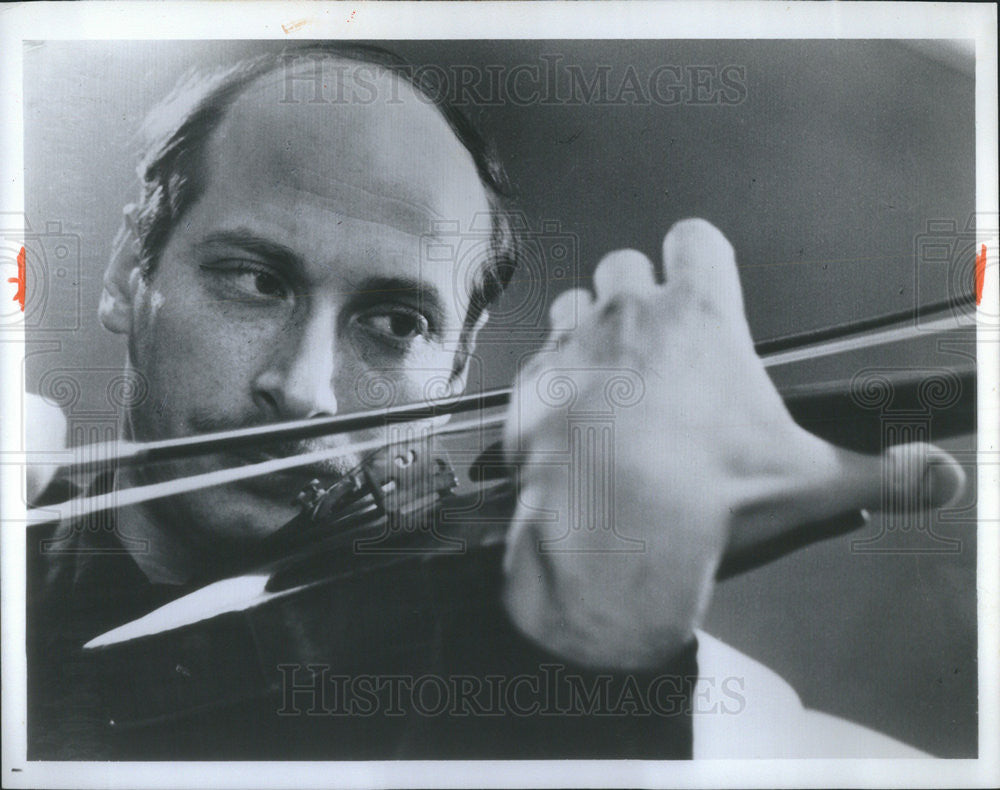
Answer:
(551, 20)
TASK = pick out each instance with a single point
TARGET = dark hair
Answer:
(170, 171)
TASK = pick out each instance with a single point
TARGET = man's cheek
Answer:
(430, 374)
(198, 371)
(367, 378)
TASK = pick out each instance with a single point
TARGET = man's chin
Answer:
(238, 519)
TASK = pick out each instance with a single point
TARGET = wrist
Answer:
(598, 617)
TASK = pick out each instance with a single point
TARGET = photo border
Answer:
(550, 20)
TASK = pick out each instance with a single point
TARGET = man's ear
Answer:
(121, 278)
(460, 373)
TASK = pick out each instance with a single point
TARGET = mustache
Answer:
(336, 466)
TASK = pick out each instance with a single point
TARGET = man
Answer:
(272, 267)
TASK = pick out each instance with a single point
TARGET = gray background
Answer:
(824, 179)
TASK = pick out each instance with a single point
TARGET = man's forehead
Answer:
(381, 152)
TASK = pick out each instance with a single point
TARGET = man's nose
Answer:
(299, 379)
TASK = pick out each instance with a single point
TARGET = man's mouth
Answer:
(284, 484)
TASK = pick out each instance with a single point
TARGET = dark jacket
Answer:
(413, 659)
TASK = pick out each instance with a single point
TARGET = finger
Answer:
(623, 271)
(751, 548)
(569, 309)
(700, 265)
(906, 478)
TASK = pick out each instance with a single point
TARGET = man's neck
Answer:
(153, 541)
(163, 557)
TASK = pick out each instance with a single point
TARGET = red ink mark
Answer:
(21, 279)
(351, 16)
(980, 273)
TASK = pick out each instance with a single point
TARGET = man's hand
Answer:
(627, 502)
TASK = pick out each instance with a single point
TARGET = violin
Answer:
(359, 578)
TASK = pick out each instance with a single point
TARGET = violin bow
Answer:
(938, 318)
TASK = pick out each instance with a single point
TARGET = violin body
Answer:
(357, 602)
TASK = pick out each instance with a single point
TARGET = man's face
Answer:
(295, 286)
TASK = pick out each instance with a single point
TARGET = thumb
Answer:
(907, 477)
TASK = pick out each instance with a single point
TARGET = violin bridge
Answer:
(320, 503)
(409, 475)
(395, 481)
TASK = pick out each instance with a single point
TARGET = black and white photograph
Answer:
(499, 394)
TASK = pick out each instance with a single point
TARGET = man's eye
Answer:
(396, 324)
(268, 284)
(255, 281)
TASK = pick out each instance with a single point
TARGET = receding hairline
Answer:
(306, 147)
(311, 58)
(432, 120)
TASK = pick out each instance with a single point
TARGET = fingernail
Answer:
(944, 481)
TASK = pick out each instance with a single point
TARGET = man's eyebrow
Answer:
(250, 242)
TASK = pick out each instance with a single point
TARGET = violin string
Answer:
(85, 506)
